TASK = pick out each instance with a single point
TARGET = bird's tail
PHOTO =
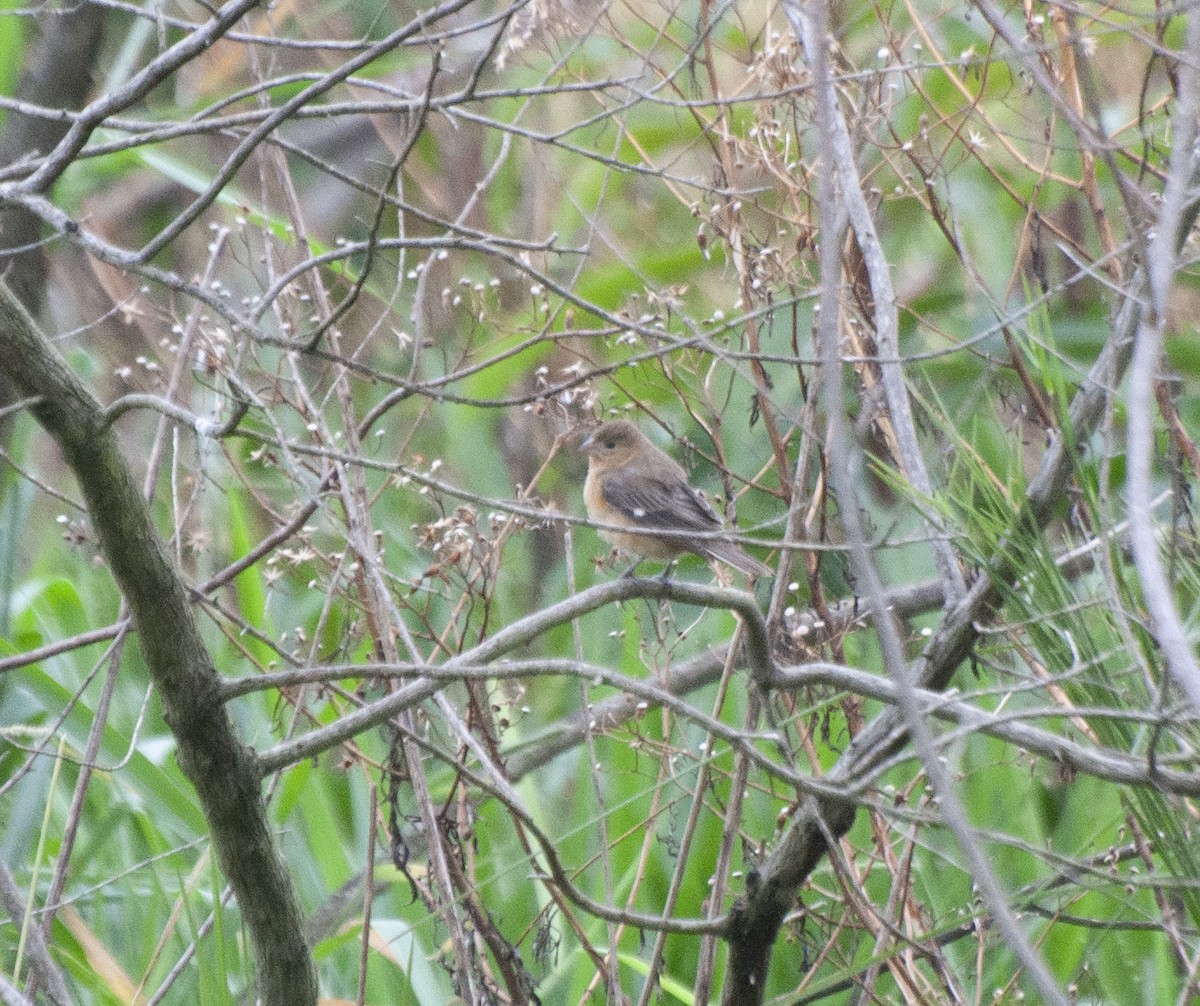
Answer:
(730, 554)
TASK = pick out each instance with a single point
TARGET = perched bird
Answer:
(632, 484)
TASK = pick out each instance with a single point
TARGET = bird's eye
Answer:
(609, 444)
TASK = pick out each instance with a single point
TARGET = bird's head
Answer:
(614, 444)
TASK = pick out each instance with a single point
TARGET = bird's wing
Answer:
(657, 501)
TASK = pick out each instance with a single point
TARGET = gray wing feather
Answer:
(658, 503)
(671, 504)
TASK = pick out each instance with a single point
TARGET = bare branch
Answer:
(209, 752)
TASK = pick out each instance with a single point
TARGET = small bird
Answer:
(631, 483)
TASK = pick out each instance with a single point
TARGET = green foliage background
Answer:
(606, 244)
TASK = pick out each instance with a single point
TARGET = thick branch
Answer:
(209, 753)
(757, 919)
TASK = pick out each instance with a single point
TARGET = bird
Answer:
(632, 484)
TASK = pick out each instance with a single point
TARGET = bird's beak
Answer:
(586, 445)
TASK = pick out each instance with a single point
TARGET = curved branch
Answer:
(758, 654)
(1107, 764)
(200, 425)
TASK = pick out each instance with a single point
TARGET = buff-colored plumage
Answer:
(633, 484)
